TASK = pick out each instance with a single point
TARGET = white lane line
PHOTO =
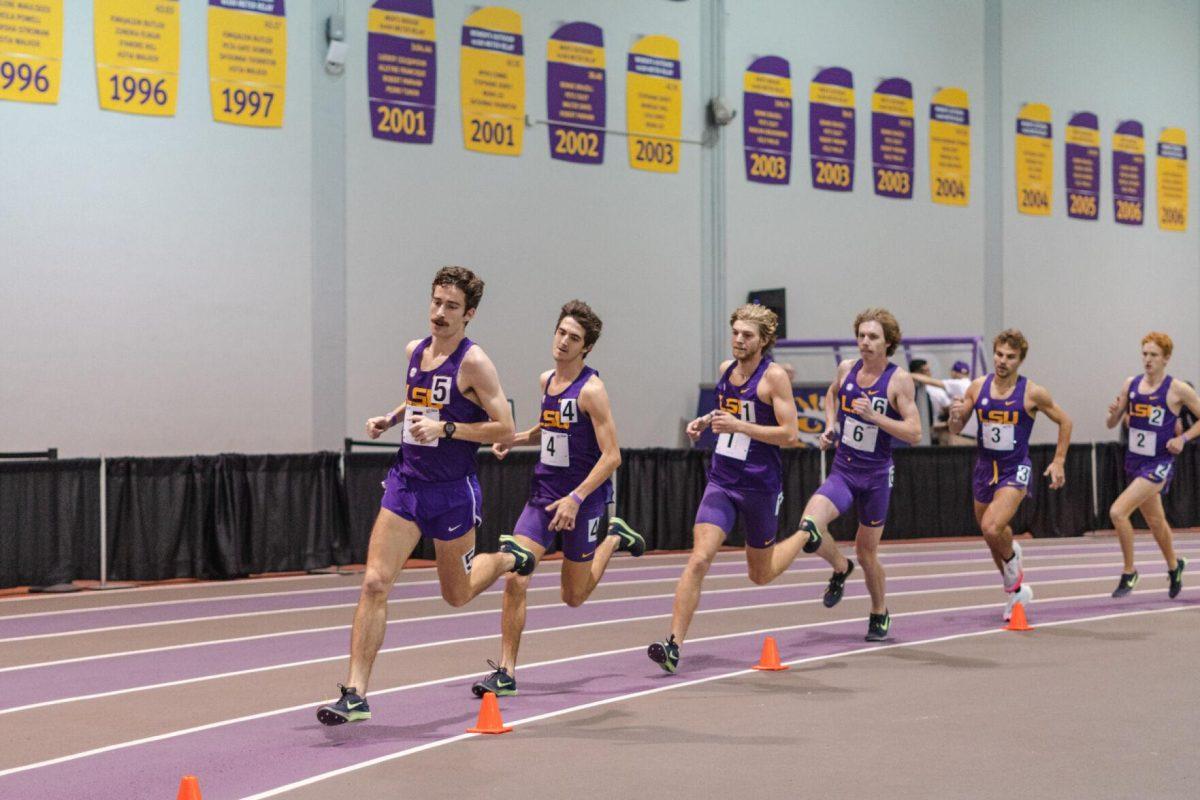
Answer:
(730, 557)
(400, 601)
(979, 557)
(528, 632)
(673, 686)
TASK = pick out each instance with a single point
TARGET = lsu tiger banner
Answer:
(247, 61)
(492, 82)
(1083, 166)
(402, 70)
(137, 55)
(831, 129)
(767, 121)
(575, 93)
(1129, 173)
(950, 147)
(31, 43)
(892, 138)
(1034, 160)
(654, 104)
(1172, 180)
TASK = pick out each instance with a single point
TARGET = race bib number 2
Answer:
(1144, 443)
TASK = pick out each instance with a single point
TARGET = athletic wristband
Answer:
(576, 498)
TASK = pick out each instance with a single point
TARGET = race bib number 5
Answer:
(414, 413)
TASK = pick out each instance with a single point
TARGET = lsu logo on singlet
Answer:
(997, 416)
(434, 396)
(568, 412)
(737, 407)
(1154, 414)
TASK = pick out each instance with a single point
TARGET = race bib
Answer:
(733, 445)
(556, 450)
(411, 415)
(999, 437)
(859, 435)
(1144, 443)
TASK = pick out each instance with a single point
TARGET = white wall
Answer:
(838, 253)
(538, 231)
(1084, 293)
(156, 273)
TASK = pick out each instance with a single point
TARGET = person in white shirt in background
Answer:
(941, 394)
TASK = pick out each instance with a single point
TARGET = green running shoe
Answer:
(1176, 576)
(877, 627)
(665, 654)
(352, 707)
(499, 683)
(1126, 584)
(526, 562)
(631, 540)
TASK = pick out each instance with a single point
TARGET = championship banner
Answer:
(31, 36)
(492, 82)
(402, 70)
(247, 61)
(654, 104)
(1083, 166)
(1172, 180)
(810, 413)
(575, 93)
(137, 55)
(767, 121)
(950, 148)
(1129, 173)
(892, 138)
(1035, 160)
(831, 129)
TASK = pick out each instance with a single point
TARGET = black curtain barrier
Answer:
(223, 516)
(505, 487)
(49, 521)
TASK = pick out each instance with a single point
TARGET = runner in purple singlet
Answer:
(571, 485)
(1152, 402)
(755, 416)
(1005, 404)
(868, 404)
(453, 403)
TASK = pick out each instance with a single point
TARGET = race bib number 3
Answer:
(859, 436)
(998, 437)
(411, 415)
(556, 451)
(1144, 443)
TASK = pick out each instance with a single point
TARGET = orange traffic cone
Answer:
(489, 717)
(189, 788)
(770, 656)
(1018, 622)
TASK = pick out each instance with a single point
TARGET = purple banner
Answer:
(500, 41)
(273, 7)
(831, 130)
(1083, 166)
(1129, 174)
(575, 93)
(767, 121)
(402, 71)
(892, 139)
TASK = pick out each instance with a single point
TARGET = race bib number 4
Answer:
(998, 437)
(556, 450)
(859, 435)
(414, 413)
(1144, 443)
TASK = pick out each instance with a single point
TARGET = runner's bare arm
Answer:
(376, 426)
(901, 394)
(1042, 400)
(961, 407)
(478, 376)
(1116, 409)
(1191, 400)
(781, 434)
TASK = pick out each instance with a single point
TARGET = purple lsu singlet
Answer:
(1004, 427)
(569, 446)
(1151, 422)
(864, 446)
(435, 394)
(738, 461)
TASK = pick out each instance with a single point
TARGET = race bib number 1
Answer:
(733, 445)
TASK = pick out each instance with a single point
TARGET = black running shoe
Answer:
(1126, 584)
(809, 528)
(1176, 576)
(526, 562)
(350, 708)
(630, 540)
(665, 654)
(877, 627)
(837, 585)
(499, 683)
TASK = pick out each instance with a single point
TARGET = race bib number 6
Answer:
(859, 435)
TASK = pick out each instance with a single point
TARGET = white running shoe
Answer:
(1022, 595)
(1012, 570)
